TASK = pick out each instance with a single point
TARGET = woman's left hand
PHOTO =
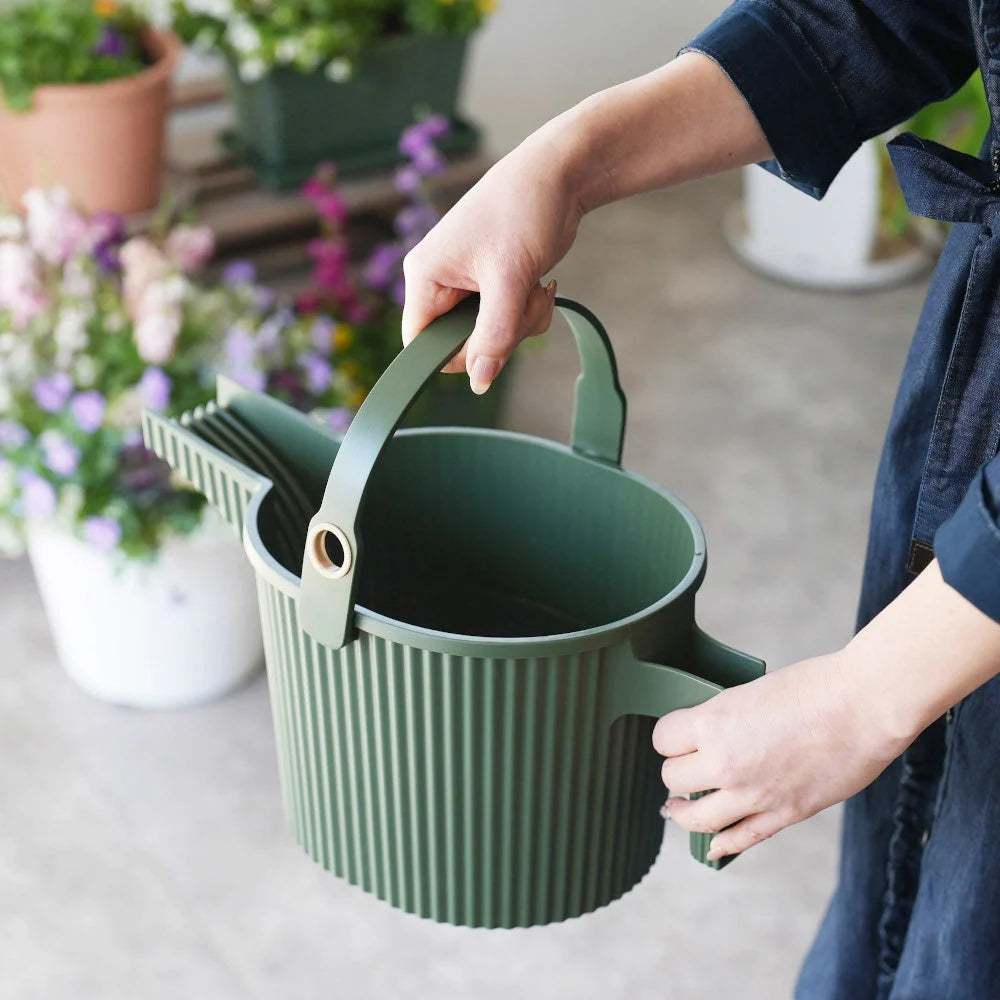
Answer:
(776, 750)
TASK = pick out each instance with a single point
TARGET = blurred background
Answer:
(143, 850)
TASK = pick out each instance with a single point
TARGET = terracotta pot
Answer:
(103, 142)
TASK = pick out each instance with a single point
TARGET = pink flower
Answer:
(320, 182)
(190, 247)
(142, 265)
(55, 230)
(332, 208)
(20, 288)
(306, 303)
(158, 320)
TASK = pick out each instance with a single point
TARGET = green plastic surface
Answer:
(288, 122)
(468, 736)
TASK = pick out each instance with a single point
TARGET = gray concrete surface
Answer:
(143, 856)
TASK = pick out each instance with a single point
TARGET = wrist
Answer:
(570, 147)
(890, 705)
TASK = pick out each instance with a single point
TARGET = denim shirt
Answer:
(822, 76)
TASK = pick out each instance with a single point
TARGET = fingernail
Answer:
(484, 371)
(550, 288)
(714, 853)
(665, 810)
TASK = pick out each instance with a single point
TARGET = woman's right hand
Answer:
(499, 240)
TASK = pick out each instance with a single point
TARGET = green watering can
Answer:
(465, 665)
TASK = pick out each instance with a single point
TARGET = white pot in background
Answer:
(829, 244)
(179, 631)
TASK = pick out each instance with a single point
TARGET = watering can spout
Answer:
(228, 485)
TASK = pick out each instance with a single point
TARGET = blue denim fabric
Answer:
(916, 913)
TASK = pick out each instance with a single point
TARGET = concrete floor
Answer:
(144, 855)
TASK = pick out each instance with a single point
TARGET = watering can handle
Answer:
(333, 547)
(652, 689)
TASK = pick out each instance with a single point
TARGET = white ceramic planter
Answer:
(828, 244)
(180, 631)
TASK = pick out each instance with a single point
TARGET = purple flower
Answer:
(408, 179)
(250, 378)
(339, 419)
(111, 43)
(88, 411)
(102, 532)
(270, 331)
(154, 388)
(416, 220)
(318, 373)
(105, 234)
(322, 334)
(61, 456)
(398, 292)
(436, 126)
(383, 265)
(53, 392)
(417, 138)
(38, 497)
(133, 439)
(263, 298)
(12, 435)
(428, 161)
(239, 272)
(240, 348)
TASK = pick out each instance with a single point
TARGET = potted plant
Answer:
(372, 301)
(135, 577)
(315, 80)
(83, 96)
(860, 236)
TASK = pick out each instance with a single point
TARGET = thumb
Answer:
(497, 332)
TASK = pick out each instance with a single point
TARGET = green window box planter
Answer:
(287, 123)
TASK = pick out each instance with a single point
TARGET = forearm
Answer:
(924, 653)
(682, 121)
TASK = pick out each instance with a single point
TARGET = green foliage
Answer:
(308, 35)
(60, 41)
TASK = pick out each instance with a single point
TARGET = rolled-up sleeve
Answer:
(822, 76)
(967, 545)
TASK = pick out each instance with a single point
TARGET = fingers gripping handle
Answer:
(652, 689)
(333, 547)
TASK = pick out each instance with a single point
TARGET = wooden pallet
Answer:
(271, 227)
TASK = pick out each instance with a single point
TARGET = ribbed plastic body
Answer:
(483, 792)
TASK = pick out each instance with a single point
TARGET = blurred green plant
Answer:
(67, 41)
(960, 122)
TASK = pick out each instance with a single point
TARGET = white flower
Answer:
(71, 332)
(77, 281)
(339, 70)
(11, 227)
(252, 70)
(55, 230)
(125, 412)
(20, 288)
(85, 371)
(221, 10)
(71, 499)
(156, 336)
(288, 50)
(243, 36)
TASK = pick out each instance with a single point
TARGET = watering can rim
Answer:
(375, 623)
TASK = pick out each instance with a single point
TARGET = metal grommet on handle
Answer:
(329, 551)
